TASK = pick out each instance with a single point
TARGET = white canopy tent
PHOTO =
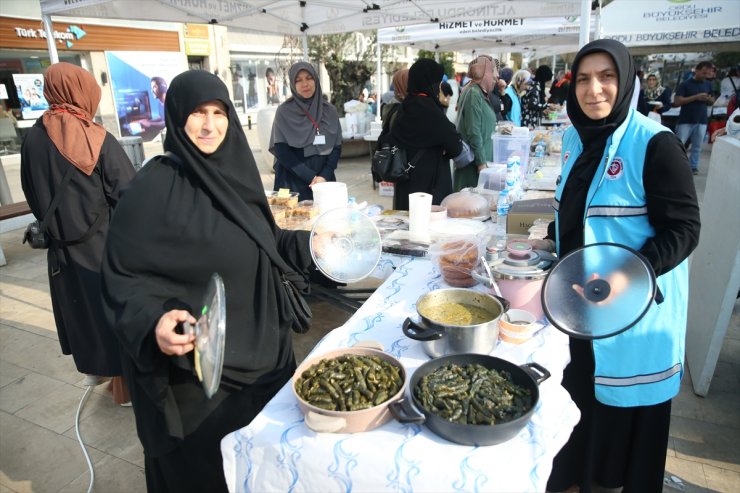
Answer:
(307, 17)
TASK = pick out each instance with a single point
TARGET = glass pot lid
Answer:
(210, 336)
(345, 245)
(598, 291)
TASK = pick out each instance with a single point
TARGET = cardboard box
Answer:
(524, 212)
(385, 189)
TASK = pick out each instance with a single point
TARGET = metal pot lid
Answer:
(210, 336)
(345, 245)
(598, 291)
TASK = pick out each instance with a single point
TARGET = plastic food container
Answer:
(517, 326)
(466, 204)
(505, 146)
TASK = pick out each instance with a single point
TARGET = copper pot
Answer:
(325, 421)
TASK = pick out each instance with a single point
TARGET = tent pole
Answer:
(585, 23)
(379, 77)
(53, 55)
(597, 22)
(304, 38)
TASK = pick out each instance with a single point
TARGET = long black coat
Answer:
(74, 271)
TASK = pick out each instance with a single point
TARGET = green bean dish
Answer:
(472, 394)
(349, 383)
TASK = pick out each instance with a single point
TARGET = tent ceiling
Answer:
(293, 17)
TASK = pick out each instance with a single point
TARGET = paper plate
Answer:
(210, 336)
(345, 245)
(598, 291)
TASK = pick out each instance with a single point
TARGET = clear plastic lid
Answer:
(210, 336)
(467, 204)
(345, 245)
(598, 291)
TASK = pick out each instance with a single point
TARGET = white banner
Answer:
(660, 22)
(480, 28)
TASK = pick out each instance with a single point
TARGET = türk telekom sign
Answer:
(654, 22)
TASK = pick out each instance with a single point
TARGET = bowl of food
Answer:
(472, 399)
(348, 390)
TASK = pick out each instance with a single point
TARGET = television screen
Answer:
(133, 106)
(30, 91)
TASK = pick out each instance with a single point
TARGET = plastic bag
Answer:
(456, 257)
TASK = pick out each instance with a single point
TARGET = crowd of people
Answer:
(201, 208)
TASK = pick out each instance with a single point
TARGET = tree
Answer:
(446, 58)
(349, 61)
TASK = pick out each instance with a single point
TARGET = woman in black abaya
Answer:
(429, 138)
(200, 210)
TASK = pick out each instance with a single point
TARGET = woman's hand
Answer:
(169, 341)
(317, 179)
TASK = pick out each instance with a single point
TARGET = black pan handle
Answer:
(419, 332)
(536, 371)
(503, 301)
(404, 412)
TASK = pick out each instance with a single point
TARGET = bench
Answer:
(14, 210)
(9, 212)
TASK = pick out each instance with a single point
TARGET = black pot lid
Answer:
(210, 335)
(345, 245)
(598, 291)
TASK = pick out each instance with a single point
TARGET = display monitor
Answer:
(133, 106)
(30, 91)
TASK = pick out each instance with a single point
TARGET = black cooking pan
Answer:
(528, 376)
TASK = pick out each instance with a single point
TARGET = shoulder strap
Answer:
(102, 207)
(57, 197)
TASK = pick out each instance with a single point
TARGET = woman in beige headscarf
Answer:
(67, 153)
(476, 121)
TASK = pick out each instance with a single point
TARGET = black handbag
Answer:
(390, 163)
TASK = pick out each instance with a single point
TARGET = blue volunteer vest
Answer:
(515, 114)
(643, 365)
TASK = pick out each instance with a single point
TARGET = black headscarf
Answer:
(594, 135)
(423, 122)
(292, 124)
(230, 174)
(542, 75)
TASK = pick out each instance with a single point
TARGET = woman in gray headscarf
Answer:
(306, 136)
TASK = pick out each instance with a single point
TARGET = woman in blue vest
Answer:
(513, 94)
(625, 180)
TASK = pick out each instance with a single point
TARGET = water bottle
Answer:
(502, 208)
(539, 156)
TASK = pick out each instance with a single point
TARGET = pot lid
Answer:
(345, 245)
(210, 335)
(598, 291)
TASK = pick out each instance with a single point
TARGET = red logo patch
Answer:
(615, 169)
(567, 155)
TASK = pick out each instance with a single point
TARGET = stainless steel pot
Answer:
(440, 339)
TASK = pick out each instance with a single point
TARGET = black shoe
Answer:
(695, 171)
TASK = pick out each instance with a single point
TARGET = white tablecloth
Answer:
(277, 452)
